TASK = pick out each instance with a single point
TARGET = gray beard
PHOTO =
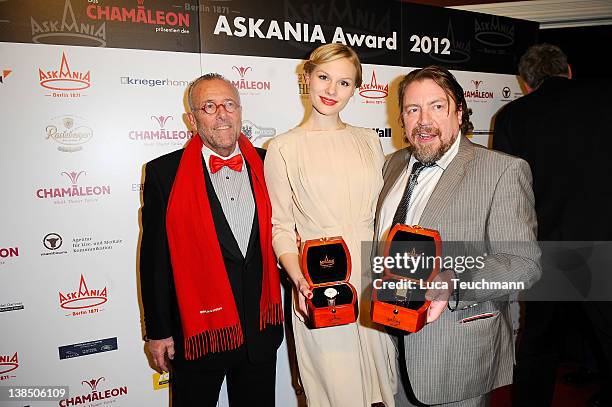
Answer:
(429, 154)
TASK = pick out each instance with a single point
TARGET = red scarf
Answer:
(206, 303)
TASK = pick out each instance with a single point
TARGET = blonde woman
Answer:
(324, 177)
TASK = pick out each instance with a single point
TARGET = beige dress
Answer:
(326, 183)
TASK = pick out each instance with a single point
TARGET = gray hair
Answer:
(208, 77)
(541, 61)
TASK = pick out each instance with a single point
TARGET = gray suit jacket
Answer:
(483, 197)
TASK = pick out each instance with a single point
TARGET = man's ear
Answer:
(192, 121)
(569, 71)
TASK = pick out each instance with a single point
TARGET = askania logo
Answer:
(383, 132)
(247, 83)
(303, 88)
(460, 51)
(5, 74)
(64, 81)
(494, 32)
(478, 93)
(165, 21)
(75, 192)
(70, 132)
(8, 363)
(254, 132)
(83, 301)
(374, 92)
(153, 82)
(68, 31)
(161, 132)
(94, 391)
(53, 242)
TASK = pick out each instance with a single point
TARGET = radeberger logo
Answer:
(69, 132)
(95, 392)
(85, 299)
(374, 92)
(8, 363)
(69, 31)
(5, 73)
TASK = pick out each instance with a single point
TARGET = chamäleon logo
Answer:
(68, 31)
(165, 131)
(165, 21)
(95, 392)
(247, 84)
(76, 192)
(65, 82)
(478, 92)
(84, 300)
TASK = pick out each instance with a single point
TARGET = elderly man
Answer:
(469, 194)
(209, 280)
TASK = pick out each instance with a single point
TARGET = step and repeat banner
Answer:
(91, 90)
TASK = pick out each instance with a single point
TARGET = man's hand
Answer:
(161, 350)
(439, 295)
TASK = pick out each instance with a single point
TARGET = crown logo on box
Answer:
(327, 262)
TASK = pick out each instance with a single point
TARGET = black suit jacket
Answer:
(563, 129)
(161, 314)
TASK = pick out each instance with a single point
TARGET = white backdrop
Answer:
(58, 252)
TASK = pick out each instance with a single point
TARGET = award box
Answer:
(326, 264)
(399, 301)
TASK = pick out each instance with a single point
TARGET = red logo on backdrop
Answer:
(374, 91)
(139, 15)
(246, 84)
(74, 190)
(8, 364)
(5, 73)
(95, 394)
(9, 252)
(161, 135)
(83, 298)
(477, 93)
(65, 78)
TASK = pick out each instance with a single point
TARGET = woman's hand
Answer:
(303, 292)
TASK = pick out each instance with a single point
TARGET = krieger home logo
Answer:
(68, 31)
(374, 92)
(247, 82)
(460, 51)
(478, 93)
(494, 32)
(70, 132)
(74, 190)
(161, 132)
(5, 74)
(8, 363)
(84, 300)
(95, 391)
(65, 81)
(165, 21)
(153, 82)
(254, 132)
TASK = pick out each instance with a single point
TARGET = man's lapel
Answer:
(441, 196)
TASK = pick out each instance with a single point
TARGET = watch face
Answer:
(330, 292)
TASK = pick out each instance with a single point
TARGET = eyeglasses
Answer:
(211, 107)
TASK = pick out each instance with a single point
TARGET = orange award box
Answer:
(398, 298)
(326, 264)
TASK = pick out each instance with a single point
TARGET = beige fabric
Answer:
(326, 183)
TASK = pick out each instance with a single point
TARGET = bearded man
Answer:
(482, 200)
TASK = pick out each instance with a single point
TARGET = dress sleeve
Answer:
(281, 197)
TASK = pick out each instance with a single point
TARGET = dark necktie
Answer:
(402, 208)
(216, 163)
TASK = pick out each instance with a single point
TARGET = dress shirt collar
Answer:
(207, 152)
